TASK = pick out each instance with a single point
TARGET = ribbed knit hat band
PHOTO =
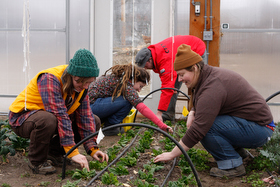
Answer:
(185, 57)
(83, 64)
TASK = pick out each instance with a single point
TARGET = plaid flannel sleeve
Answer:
(49, 88)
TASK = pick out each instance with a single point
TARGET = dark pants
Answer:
(170, 113)
(41, 129)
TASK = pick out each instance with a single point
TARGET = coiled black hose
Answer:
(133, 124)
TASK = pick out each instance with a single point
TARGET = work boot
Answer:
(242, 152)
(45, 168)
(234, 172)
(114, 131)
(58, 160)
(167, 117)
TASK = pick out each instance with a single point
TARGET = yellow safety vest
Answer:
(33, 97)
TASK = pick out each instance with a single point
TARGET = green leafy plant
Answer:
(109, 179)
(198, 157)
(118, 170)
(133, 153)
(97, 165)
(5, 145)
(127, 161)
(140, 148)
(83, 174)
(157, 152)
(140, 183)
(9, 141)
(254, 180)
(18, 143)
(184, 181)
(44, 183)
(149, 175)
(70, 184)
(271, 149)
(112, 152)
(5, 185)
(260, 163)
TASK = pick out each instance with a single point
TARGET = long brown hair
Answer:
(200, 66)
(124, 72)
(68, 86)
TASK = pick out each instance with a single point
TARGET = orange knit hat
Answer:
(185, 57)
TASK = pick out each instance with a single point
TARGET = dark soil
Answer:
(16, 172)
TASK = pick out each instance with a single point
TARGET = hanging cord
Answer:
(132, 56)
(172, 64)
(26, 51)
(172, 34)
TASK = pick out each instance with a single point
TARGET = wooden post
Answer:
(197, 27)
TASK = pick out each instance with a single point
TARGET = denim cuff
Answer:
(229, 164)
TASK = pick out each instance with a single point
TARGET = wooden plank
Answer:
(197, 27)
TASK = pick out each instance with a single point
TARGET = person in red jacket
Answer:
(160, 58)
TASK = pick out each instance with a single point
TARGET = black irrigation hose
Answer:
(116, 159)
(273, 95)
(133, 124)
(175, 159)
(172, 168)
(267, 99)
(175, 89)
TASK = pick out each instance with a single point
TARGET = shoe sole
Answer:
(42, 173)
(231, 176)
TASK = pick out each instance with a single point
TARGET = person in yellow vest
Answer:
(53, 111)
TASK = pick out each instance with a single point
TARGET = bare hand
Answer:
(82, 160)
(190, 119)
(164, 157)
(169, 129)
(100, 154)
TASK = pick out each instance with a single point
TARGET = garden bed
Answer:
(15, 171)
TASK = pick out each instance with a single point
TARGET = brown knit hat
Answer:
(185, 57)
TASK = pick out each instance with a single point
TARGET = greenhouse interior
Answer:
(241, 35)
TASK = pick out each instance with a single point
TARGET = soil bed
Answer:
(16, 172)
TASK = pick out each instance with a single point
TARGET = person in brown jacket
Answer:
(227, 114)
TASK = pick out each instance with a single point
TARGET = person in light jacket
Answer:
(114, 94)
(160, 58)
(227, 114)
(53, 111)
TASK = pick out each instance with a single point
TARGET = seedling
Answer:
(97, 165)
(118, 170)
(83, 174)
(70, 184)
(127, 161)
(110, 179)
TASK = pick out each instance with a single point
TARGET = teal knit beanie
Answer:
(83, 64)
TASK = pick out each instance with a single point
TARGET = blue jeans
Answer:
(112, 111)
(228, 132)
